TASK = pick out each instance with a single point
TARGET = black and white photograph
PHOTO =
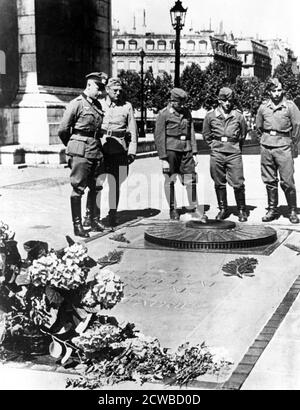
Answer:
(149, 198)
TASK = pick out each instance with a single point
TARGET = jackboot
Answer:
(92, 215)
(223, 205)
(76, 217)
(272, 213)
(195, 209)
(239, 194)
(174, 215)
(291, 198)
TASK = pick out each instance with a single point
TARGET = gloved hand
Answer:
(130, 158)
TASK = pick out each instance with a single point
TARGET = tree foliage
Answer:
(289, 80)
(250, 93)
(193, 82)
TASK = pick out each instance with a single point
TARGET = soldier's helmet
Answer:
(100, 78)
(273, 83)
(178, 95)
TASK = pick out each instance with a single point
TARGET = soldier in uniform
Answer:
(224, 129)
(176, 146)
(79, 131)
(278, 126)
(119, 142)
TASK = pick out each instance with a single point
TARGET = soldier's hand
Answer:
(130, 158)
(195, 159)
(165, 166)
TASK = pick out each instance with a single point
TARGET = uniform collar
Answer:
(219, 113)
(173, 111)
(109, 102)
(283, 103)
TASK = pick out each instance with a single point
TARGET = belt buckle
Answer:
(273, 133)
(182, 137)
(224, 139)
(109, 133)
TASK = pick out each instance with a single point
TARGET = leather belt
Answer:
(90, 134)
(111, 133)
(279, 133)
(179, 137)
(226, 139)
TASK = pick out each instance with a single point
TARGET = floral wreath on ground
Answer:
(52, 302)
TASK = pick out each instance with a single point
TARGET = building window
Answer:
(132, 65)
(120, 45)
(172, 44)
(149, 63)
(202, 45)
(150, 45)
(132, 45)
(161, 44)
(191, 45)
(161, 66)
(120, 66)
(246, 58)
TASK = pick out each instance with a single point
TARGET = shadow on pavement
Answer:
(131, 215)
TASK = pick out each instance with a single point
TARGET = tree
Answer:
(289, 80)
(192, 81)
(131, 84)
(162, 90)
(215, 77)
(250, 93)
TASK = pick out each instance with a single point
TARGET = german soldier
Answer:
(119, 142)
(278, 126)
(79, 131)
(176, 146)
(225, 129)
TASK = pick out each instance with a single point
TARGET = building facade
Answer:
(255, 58)
(46, 49)
(200, 47)
(281, 52)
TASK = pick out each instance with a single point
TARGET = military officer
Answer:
(119, 142)
(278, 126)
(79, 131)
(176, 146)
(224, 129)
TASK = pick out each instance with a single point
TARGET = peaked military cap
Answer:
(225, 93)
(99, 77)
(178, 94)
(114, 82)
(273, 83)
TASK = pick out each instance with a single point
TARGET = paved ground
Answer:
(175, 296)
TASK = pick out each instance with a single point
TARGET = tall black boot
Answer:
(96, 225)
(87, 223)
(239, 194)
(272, 213)
(174, 215)
(291, 198)
(222, 202)
(76, 217)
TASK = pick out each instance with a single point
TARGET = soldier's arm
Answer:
(193, 138)
(244, 129)
(67, 123)
(295, 119)
(132, 128)
(160, 136)
(259, 122)
(206, 131)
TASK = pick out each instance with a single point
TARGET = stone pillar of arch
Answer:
(48, 47)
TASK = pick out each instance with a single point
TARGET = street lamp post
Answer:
(142, 124)
(178, 13)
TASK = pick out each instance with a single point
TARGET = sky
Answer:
(264, 19)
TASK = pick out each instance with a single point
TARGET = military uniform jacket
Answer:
(279, 125)
(80, 128)
(224, 134)
(118, 119)
(175, 132)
